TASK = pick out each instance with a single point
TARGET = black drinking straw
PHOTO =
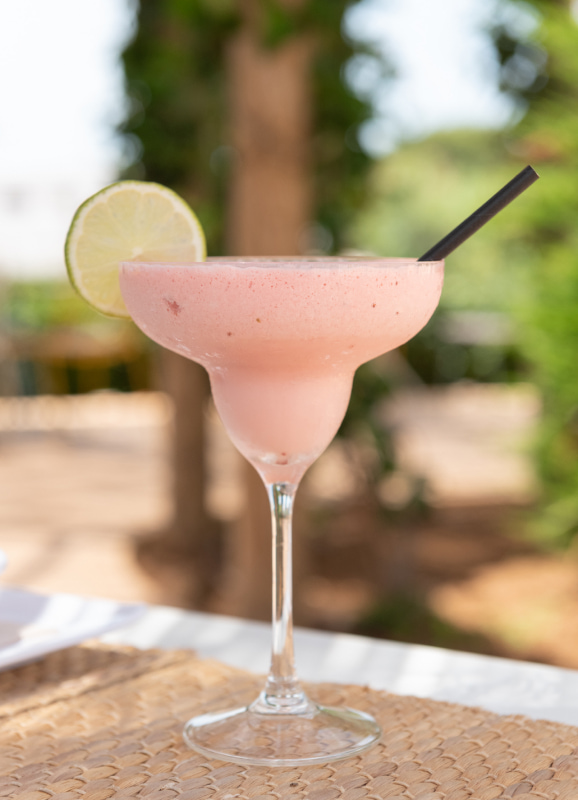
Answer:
(475, 221)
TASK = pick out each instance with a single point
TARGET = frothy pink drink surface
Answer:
(282, 339)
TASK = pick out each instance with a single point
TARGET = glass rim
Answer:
(289, 262)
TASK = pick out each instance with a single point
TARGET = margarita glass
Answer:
(281, 340)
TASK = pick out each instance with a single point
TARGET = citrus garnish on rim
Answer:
(126, 221)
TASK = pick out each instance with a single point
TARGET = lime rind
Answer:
(124, 221)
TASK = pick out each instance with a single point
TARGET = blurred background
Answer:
(446, 510)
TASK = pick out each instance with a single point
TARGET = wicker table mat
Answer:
(95, 723)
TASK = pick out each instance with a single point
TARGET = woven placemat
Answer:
(94, 722)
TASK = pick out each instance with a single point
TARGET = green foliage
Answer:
(423, 190)
(420, 193)
(279, 23)
(45, 305)
(548, 135)
(524, 263)
(176, 128)
(341, 168)
(177, 96)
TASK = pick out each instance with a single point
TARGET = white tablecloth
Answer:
(496, 684)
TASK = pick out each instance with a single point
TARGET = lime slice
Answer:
(126, 221)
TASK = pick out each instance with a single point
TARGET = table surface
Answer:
(496, 684)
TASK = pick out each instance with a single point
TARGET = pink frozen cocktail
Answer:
(281, 339)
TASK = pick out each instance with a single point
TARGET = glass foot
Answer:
(247, 736)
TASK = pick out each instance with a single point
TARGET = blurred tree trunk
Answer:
(270, 207)
(193, 536)
(271, 192)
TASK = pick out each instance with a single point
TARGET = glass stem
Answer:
(282, 692)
